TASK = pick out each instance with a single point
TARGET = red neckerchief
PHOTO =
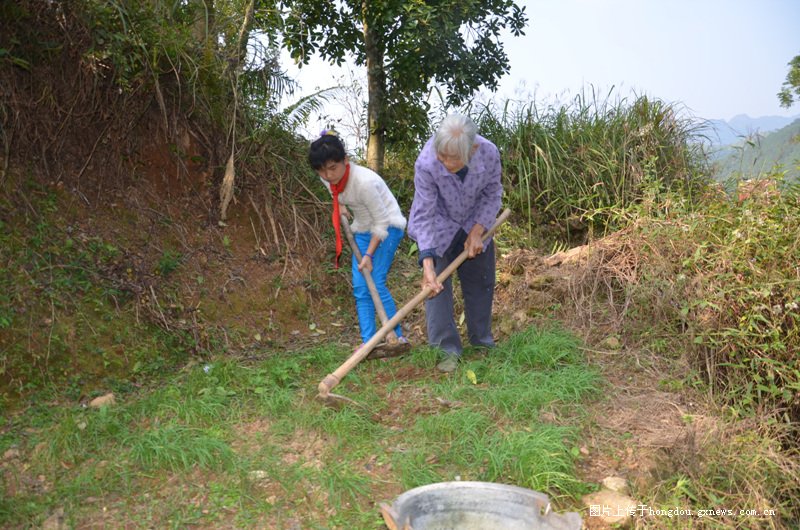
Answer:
(336, 189)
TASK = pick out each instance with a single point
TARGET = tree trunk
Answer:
(376, 96)
(203, 11)
(239, 53)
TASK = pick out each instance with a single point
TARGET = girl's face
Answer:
(332, 172)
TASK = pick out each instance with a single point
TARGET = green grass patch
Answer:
(177, 447)
(223, 443)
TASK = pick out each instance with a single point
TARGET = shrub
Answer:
(724, 276)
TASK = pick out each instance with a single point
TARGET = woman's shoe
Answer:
(449, 364)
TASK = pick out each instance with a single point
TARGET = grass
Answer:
(575, 164)
(723, 272)
(248, 444)
(744, 469)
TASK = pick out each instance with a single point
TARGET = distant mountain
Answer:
(722, 133)
(760, 153)
(764, 124)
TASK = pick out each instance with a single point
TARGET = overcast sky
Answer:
(718, 58)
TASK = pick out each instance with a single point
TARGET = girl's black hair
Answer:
(324, 149)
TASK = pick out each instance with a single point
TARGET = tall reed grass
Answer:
(581, 161)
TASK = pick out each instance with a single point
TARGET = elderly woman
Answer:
(457, 196)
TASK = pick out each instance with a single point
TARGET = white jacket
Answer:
(373, 205)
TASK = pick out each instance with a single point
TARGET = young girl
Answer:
(378, 224)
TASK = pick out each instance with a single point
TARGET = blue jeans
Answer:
(381, 263)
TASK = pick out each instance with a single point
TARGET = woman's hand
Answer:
(366, 259)
(429, 278)
(474, 243)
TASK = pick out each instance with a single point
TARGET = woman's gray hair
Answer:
(456, 136)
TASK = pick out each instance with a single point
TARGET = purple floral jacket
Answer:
(443, 204)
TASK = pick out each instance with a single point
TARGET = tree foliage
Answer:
(203, 45)
(790, 91)
(136, 69)
(407, 46)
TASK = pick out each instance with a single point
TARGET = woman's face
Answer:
(451, 162)
(332, 172)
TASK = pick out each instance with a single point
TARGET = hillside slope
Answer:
(729, 132)
(761, 154)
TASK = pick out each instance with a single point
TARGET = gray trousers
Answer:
(477, 279)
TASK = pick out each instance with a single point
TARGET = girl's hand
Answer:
(366, 264)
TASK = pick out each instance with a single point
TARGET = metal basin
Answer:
(475, 506)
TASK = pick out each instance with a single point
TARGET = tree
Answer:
(406, 46)
(790, 91)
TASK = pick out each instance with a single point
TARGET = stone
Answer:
(538, 283)
(258, 474)
(612, 343)
(618, 484)
(102, 401)
(611, 507)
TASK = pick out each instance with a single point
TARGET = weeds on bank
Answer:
(714, 281)
(726, 269)
(69, 313)
(245, 444)
(743, 469)
(592, 154)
